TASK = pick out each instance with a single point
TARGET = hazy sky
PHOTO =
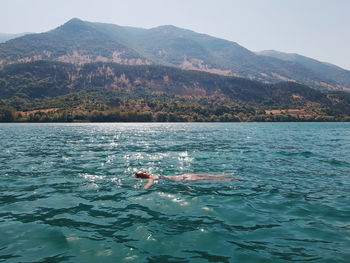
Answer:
(316, 28)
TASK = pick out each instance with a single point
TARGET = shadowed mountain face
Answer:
(99, 91)
(81, 42)
(41, 79)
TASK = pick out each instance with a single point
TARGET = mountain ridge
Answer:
(81, 42)
(328, 70)
(7, 36)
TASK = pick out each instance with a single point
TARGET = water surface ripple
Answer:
(67, 193)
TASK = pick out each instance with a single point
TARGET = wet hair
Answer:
(142, 175)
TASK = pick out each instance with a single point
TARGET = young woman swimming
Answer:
(183, 178)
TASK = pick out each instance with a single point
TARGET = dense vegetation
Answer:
(46, 91)
(48, 79)
(93, 107)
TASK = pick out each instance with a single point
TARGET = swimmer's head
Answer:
(142, 175)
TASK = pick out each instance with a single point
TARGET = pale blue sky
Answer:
(316, 28)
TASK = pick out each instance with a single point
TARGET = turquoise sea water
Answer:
(67, 193)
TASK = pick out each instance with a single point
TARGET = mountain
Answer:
(5, 37)
(81, 42)
(74, 42)
(40, 79)
(329, 71)
(101, 86)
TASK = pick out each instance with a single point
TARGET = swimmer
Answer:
(183, 178)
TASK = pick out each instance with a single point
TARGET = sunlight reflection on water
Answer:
(68, 192)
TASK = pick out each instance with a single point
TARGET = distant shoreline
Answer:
(57, 115)
(180, 122)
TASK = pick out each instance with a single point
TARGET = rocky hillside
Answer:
(41, 79)
(80, 42)
(105, 91)
(329, 71)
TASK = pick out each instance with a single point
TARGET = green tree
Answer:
(7, 114)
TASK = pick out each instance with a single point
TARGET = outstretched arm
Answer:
(149, 184)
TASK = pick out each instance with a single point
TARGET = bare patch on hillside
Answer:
(166, 79)
(295, 96)
(118, 57)
(198, 64)
(278, 76)
(75, 58)
(331, 87)
(32, 112)
(293, 112)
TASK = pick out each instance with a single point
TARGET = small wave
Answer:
(306, 154)
(335, 162)
(208, 256)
